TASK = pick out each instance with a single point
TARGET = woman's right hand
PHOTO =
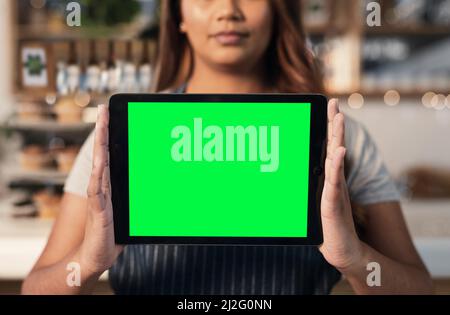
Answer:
(98, 250)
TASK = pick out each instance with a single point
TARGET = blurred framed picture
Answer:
(316, 13)
(36, 67)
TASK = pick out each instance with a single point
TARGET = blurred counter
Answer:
(22, 240)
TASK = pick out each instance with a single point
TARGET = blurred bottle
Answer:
(128, 82)
(61, 78)
(103, 80)
(93, 69)
(65, 108)
(73, 69)
(145, 69)
(408, 12)
(112, 69)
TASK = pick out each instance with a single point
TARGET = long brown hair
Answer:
(290, 65)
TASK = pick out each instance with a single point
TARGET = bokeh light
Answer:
(438, 101)
(82, 99)
(392, 98)
(427, 98)
(355, 101)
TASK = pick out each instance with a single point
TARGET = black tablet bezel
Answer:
(118, 144)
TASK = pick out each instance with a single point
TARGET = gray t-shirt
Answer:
(249, 270)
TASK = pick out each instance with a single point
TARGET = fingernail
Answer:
(100, 109)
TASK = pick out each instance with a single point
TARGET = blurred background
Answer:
(391, 73)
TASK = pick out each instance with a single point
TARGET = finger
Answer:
(337, 139)
(99, 157)
(332, 110)
(106, 182)
(334, 178)
(101, 129)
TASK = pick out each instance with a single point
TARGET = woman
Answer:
(238, 46)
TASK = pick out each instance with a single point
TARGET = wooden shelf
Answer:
(43, 32)
(47, 125)
(51, 176)
(408, 30)
(386, 30)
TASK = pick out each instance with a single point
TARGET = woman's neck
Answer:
(223, 81)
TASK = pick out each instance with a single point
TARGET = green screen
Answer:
(218, 169)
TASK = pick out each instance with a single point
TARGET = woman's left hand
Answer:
(341, 246)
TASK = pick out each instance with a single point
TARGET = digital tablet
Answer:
(217, 169)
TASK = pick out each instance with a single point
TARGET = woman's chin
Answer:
(233, 61)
